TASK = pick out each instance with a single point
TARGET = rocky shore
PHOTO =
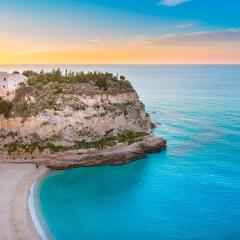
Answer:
(117, 155)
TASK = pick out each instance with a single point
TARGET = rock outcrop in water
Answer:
(76, 119)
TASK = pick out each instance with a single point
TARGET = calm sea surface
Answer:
(191, 191)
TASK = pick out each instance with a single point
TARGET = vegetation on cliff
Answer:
(46, 87)
(5, 108)
(72, 111)
(36, 144)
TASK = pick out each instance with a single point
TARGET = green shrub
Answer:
(29, 73)
(27, 148)
(130, 136)
(11, 134)
(54, 148)
(122, 78)
(5, 108)
(32, 147)
(101, 83)
(12, 147)
(104, 142)
(22, 108)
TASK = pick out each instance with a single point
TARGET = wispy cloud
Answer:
(186, 25)
(195, 38)
(172, 3)
(101, 40)
(234, 30)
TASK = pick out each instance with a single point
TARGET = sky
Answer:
(120, 32)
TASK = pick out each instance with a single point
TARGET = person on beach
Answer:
(37, 165)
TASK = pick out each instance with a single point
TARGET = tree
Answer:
(29, 73)
(5, 107)
(122, 78)
(102, 83)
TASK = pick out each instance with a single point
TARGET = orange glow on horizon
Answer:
(123, 54)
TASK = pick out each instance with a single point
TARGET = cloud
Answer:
(172, 3)
(186, 25)
(234, 30)
(195, 38)
(101, 40)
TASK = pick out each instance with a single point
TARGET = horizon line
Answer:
(104, 64)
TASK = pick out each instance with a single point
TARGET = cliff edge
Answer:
(75, 119)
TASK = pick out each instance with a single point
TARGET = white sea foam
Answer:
(32, 205)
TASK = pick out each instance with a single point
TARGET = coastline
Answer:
(34, 209)
(19, 179)
(117, 155)
(15, 183)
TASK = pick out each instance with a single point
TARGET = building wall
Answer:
(14, 80)
(4, 81)
(9, 83)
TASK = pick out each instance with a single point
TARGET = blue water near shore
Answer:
(191, 191)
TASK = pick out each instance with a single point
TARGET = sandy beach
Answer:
(15, 220)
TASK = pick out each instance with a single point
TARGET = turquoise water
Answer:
(191, 191)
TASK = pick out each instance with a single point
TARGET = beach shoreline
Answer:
(19, 180)
(15, 183)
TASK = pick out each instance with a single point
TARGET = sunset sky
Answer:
(126, 31)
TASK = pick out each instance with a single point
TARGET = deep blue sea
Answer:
(191, 191)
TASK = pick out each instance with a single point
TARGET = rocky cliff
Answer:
(68, 115)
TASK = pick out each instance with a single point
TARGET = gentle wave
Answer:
(34, 211)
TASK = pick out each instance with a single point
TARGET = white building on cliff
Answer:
(9, 83)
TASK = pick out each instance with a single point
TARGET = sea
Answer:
(191, 191)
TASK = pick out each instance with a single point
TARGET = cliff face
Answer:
(52, 112)
(76, 114)
(81, 118)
